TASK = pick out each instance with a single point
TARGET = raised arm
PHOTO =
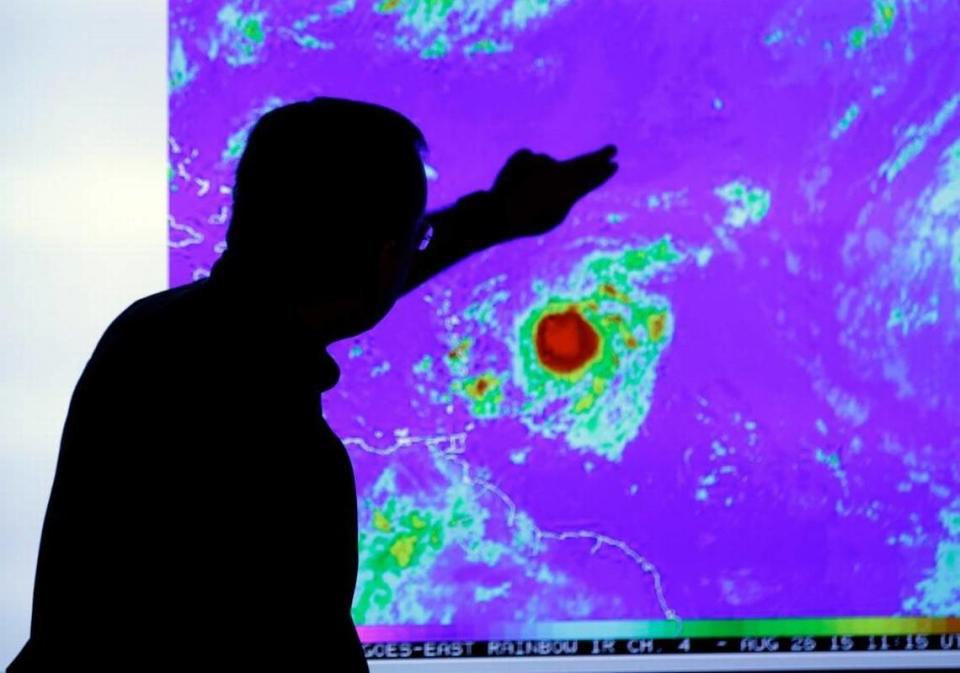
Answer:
(458, 231)
(532, 194)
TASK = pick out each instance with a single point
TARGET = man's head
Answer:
(328, 202)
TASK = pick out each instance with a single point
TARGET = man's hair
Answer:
(326, 173)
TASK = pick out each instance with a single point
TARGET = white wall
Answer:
(83, 127)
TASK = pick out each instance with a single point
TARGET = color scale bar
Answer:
(707, 628)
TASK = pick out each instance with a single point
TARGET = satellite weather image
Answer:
(725, 388)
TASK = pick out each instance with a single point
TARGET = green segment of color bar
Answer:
(735, 628)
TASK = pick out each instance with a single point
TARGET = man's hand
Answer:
(535, 192)
(532, 194)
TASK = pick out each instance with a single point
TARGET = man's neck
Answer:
(306, 331)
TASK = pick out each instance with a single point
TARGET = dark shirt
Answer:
(202, 514)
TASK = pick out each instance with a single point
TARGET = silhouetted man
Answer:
(203, 515)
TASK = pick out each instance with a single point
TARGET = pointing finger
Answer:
(602, 155)
(587, 172)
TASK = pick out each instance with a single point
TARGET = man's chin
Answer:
(357, 324)
(335, 321)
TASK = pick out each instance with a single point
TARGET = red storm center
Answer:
(565, 341)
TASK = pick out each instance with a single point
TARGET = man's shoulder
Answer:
(157, 319)
(165, 305)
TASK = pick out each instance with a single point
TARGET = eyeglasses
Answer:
(426, 237)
